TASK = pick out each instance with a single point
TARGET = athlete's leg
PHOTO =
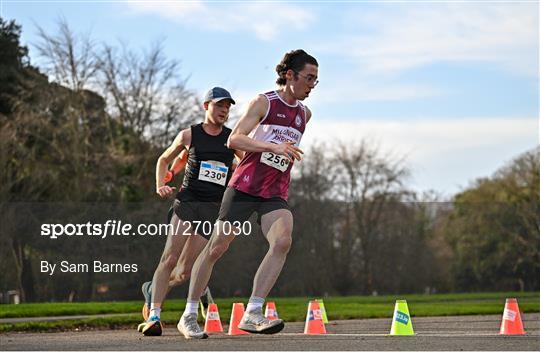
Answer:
(182, 271)
(207, 214)
(234, 207)
(200, 275)
(204, 264)
(277, 227)
(230, 211)
(160, 282)
(169, 259)
(193, 247)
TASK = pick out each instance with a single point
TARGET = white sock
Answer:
(254, 303)
(155, 311)
(192, 307)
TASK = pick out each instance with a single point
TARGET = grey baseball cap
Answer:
(216, 94)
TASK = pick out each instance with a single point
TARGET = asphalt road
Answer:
(433, 333)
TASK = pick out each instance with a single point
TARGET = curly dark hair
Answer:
(293, 60)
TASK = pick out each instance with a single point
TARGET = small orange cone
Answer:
(236, 316)
(314, 320)
(511, 321)
(213, 323)
(271, 313)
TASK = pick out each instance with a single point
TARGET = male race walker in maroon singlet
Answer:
(269, 132)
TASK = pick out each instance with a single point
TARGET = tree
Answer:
(13, 60)
(494, 229)
(357, 225)
(146, 94)
(367, 182)
(69, 58)
(59, 144)
(316, 217)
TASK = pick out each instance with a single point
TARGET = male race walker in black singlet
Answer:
(197, 203)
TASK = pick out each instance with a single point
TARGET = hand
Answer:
(288, 150)
(165, 191)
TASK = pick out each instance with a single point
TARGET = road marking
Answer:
(376, 335)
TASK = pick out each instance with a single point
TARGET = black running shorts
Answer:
(238, 206)
(196, 211)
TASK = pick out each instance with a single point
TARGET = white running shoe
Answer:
(189, 327)
(255, 322)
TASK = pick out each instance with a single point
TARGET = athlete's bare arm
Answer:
(180, 162)
(239, 139)
(180, 142)
(308, 114)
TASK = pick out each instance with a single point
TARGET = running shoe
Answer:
(152, 327)
(189, 327)
(147, 293)
(255, 322)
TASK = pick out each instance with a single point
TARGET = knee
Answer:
(281, 245)
(217, 250)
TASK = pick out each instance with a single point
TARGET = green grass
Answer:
(290, 309)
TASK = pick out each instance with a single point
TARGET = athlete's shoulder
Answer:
(262, 98)
(308, 112)
(183, 137)
(270, 95)
(258, 107)
(187, 134)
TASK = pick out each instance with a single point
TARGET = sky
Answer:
(453, 86)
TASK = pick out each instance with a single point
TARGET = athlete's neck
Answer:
(286, 95)
(212, 128)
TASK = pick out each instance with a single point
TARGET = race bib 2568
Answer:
(276, 161)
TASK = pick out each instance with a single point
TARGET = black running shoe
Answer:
(152, 327)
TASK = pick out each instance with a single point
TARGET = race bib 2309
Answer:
(213, 171)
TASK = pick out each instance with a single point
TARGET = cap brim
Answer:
(223, 98)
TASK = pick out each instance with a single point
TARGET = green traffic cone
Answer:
(401, 322)
(203, 311)
(323, 311)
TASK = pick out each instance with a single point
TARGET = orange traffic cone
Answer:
(271, 313)
(213, 323)
(314, 320)
(511, 322)
(236, 316)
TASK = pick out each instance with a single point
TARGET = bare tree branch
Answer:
(68, 57)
